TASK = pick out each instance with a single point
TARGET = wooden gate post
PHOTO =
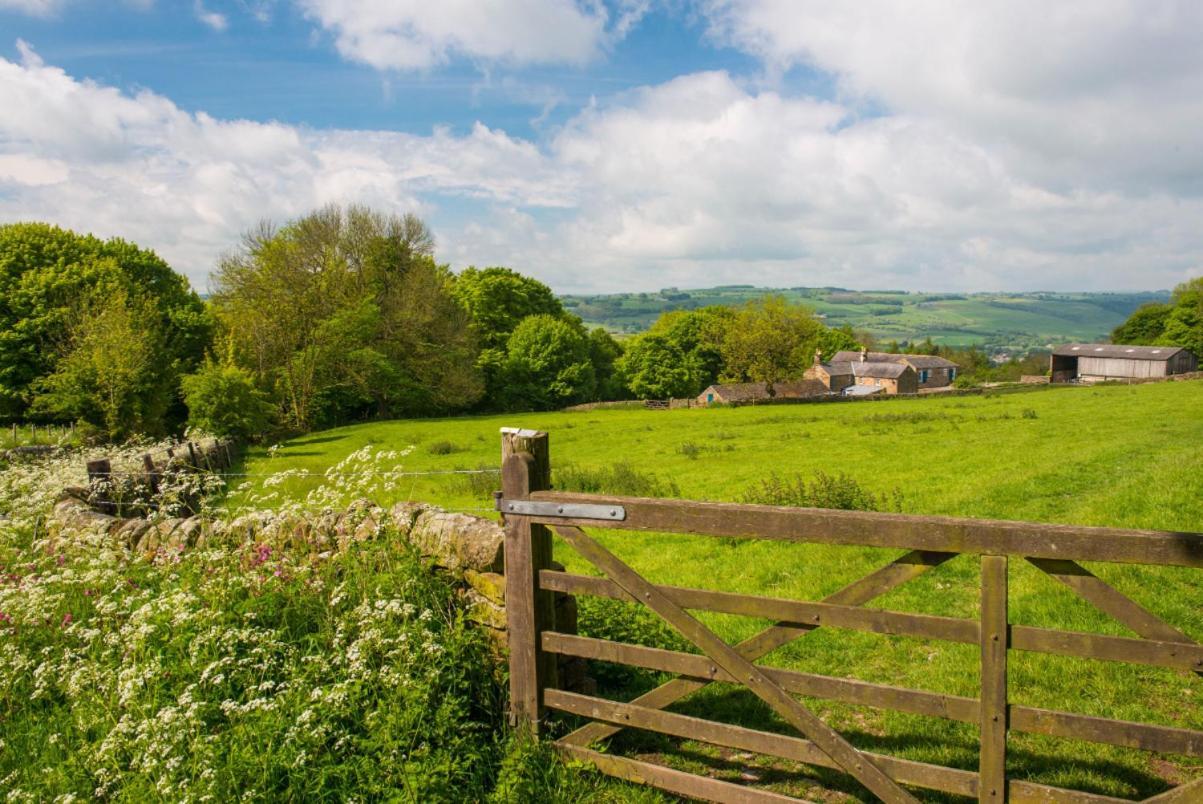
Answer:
(993, 761)
(526, 467)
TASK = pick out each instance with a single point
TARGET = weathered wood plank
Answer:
(933, 533)
(882, 580)
(1190, 793)
(1164, 739)
(1175, 655)
(905, 771)
(672, 780)
(1108, 600)
(993, 715)
(925, 626)
(933, 777)
(850, 760)
(529, 610)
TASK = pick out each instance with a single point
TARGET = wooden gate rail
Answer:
(930, 541)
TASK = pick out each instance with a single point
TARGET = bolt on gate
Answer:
(530, 508)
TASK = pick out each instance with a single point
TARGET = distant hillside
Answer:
(996, 321)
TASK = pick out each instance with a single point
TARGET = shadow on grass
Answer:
(942, 746)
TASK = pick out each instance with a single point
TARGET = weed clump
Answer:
(443, 448)
(822, 491)
(617, 478)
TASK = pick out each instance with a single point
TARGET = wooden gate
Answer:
(530, 508)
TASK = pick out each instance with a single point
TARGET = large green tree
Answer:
(548, 364)
(47, 273)
(655, 367)
(344, 313)
(770, 339)
(498, 300)
(108, 374)
(1179, 323)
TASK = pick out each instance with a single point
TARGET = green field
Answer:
(995, 321)
(1117, 455)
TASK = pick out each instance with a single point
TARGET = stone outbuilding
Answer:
(749, 393)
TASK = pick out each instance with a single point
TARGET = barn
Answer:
(1097, 362)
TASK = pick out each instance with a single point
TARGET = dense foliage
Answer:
(765, 340)
(1178, 323)
(344, 313)
(93, 330)
(223, 399)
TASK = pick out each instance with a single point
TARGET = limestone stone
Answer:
(459, 542)
(489, 584)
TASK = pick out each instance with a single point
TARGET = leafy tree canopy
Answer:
(344, 313)
(46, 273)
(1179, 323)
(498, 299)
(548, 364)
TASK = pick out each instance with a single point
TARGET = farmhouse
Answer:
(1096, 362)
(749, 393)
(856, 374)
(931, 371)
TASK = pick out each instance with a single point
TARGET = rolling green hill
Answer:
(997, 322)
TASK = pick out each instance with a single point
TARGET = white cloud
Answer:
(1104, 94)
(212, 19)
(418, 34)
(693, 182)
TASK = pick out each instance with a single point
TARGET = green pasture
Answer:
(1128, 456)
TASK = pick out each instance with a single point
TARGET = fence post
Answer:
(152, 474)
(526, 467)
(992, 774)
(101, 470)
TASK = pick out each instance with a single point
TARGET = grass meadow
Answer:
(1127, 456)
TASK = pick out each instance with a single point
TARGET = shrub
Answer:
(222, 399)
(443, 448)
(618, 478)
(823, 491)
(1029, 413)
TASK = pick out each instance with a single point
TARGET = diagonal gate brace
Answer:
(854, 762)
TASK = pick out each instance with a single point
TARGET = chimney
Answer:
(863, 353)
(818, 356)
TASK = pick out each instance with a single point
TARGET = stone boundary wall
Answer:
(469, 549)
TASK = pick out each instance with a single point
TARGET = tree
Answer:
(344, 313)
(1144, 327)
(1184, 325)
(699, 335)
(655, 367)
(768, 340)
(46, 271)
(222, 399)
(1179, 323)
(604, 352)
(108, 375)
(548, 364)
(498, 300)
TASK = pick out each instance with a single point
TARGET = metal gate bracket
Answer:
(611, 513)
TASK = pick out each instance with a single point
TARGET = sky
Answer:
(631, 145)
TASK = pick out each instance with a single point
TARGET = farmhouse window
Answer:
(923, 376)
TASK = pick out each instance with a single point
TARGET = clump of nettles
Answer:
(822, 491)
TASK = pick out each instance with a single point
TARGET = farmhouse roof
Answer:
(746, 391)
(917, 361)
(882, 371)
(1117, 350)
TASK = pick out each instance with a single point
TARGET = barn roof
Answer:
(918, 361)
(1117, 350)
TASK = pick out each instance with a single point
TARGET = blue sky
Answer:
(630, 144)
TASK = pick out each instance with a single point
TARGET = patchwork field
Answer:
(1120, 456)
(996, 321)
